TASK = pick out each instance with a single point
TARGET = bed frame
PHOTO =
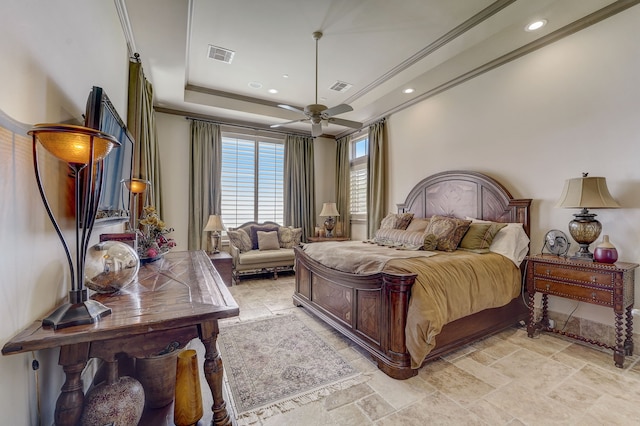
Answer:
(371, 310)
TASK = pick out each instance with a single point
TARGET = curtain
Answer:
(343, 183)
(299, 184)
(142, 125)
(205, 174)
(376, 177)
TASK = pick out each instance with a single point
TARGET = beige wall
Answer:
(52, 54)
(568, 108)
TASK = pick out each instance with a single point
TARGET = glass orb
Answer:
(110, 265)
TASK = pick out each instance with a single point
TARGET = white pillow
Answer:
(511, 241)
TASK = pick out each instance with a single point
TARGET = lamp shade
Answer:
(329, 209)
(587, 192)
(214, 223)
(136, 186)
(72, 144)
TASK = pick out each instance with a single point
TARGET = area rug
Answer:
(276, 364)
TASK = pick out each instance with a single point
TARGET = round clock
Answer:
(556, 242)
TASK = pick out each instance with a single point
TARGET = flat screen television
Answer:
(101, 114)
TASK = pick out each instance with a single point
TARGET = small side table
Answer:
(223, 263)
(609, 285)
(320, 239)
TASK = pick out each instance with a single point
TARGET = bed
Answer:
(372, 309)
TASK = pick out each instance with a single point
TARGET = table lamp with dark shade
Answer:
(214, 226)
(83, 149)
(329, 210)
(586, 193)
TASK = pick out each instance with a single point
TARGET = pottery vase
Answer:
(188, 403)
(118, 401)
(158, 377)
(605, 252)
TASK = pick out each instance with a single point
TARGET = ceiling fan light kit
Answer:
(318, 114)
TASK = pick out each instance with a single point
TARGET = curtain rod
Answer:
(222, 123)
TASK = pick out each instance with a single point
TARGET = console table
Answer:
(175, 299)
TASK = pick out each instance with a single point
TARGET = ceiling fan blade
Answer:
(346, 123)
(338, 109)
(290, 108)
(316, 129)
(287, 122)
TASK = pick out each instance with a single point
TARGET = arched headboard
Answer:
(462, 193)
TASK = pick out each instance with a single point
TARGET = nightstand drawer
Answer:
(574, 274)
(575, 291)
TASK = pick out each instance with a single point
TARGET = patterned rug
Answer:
(276, 364)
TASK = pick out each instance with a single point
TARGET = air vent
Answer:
(341, 86)
(221, 54)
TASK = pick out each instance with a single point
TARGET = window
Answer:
(252, 179)
(358, 166)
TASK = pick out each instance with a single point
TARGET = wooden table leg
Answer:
(618, 350)
(213, 372)
(628, 343)
(531, 327)
(73, 359)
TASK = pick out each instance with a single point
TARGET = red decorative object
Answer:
(605, 252)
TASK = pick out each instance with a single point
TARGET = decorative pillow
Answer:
(268, 240)
(240, 239)
(511, 241)
(430, 242)
(399, 238)
(389, 222)
(254, 233)
(396, 221)
(418, 225)
(480, 236)
(289, 237)
(448, 230)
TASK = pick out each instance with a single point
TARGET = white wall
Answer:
(568, 108)
(52, 54)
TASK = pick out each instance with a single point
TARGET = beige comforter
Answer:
(450, 286)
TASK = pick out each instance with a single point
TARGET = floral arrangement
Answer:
(152, 241)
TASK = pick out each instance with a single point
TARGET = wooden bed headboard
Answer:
(462, 193)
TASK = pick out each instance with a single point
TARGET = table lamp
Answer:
(214, 226)
(586, 193)
(329, 210)
(83, 149)
(137, 188)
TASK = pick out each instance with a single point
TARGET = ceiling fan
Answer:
(317, 113)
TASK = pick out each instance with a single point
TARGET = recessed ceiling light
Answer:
(409, 90)
(536, 25)
(255, 85)
(285, 75)
(274, 91)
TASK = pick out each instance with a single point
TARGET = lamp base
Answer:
(71, 314)
(583, 254)
(585, 229)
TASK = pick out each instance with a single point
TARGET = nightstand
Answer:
(320, 239)
(223, 262)
(601, 284)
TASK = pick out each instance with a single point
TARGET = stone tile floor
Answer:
(505, 379)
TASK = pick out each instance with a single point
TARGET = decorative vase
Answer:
(118, 401)
(158, 377)
(187, 409)
(605, 252)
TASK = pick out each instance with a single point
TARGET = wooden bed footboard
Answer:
(370, 310)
